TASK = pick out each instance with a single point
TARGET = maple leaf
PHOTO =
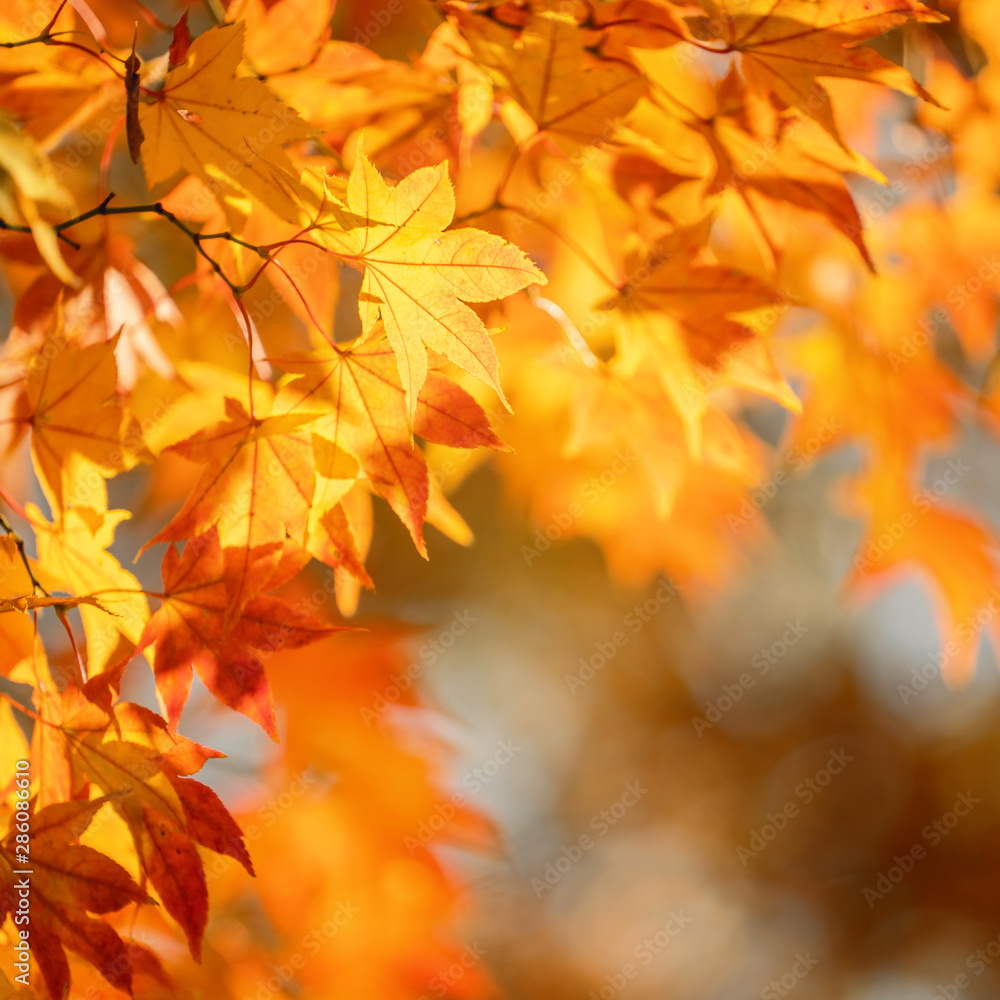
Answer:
(16, 631)
(26, 182)
(785, 45)
(946, 279)
(172, 863)
(73, 556)
(15, 579)
(226, 129)
(448, 52)
(131, 756)
(209, 822)
(365, 416)
(191, 630)
(67, 715)
(9, 992)
(383, 791)
(547, 69)
(67, 883)
(257, 486)
(16, 641)
(642, 24)
(13, 748)
(950, 549)
(179, 43)
(282, 37)
(723, 140)
(417, 277)
(849, 386)
(51, 90)
(119, 295)
(70, 405)
(619, 417)
(138, 776)
(181, 756)
(678, 322)
(679, 209)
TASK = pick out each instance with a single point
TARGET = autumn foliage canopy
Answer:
(271, 265)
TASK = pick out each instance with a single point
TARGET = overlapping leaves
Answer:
(273, 451)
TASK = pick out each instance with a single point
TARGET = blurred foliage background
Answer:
(533, 777)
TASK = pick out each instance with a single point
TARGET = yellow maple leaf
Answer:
(225, 129)
(26, 182)
(566, 91)
(73, 557)
(417, 277)
(71, 407)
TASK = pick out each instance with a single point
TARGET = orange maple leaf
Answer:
(365, 416)
(256, 487)
(786, 45)
(190, 631)
(67, 883)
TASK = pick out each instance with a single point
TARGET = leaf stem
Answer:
(19, 543)
(22, 708)
(12, 503)
(105, 208)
